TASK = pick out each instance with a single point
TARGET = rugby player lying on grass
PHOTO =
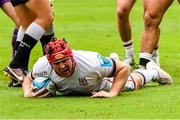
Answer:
(77, 72)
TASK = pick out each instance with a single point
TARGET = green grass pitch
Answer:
(92, 25)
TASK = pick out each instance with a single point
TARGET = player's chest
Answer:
(78, 79)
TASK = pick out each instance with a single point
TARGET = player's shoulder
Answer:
(91, 60)
(42, 66)
(42, 61)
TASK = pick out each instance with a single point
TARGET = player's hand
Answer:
(102, 94)
(30, 92)
(45, 95)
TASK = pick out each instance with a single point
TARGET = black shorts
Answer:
(17, 2)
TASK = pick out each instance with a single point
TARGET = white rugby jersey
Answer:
(91, 68)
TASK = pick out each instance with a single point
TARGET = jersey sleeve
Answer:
(41, 68)
(105, 66)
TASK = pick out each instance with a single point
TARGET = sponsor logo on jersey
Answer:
(83, 81)
(104, 61)
(44, 73)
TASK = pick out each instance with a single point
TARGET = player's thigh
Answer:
(41, 8)
(26, 16)
(156, 8)
(125, 5)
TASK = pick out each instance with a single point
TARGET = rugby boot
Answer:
(17, 74)
(163, 77)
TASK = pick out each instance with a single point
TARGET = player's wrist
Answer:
(113, 93)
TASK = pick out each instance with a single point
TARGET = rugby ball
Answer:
(44, 82)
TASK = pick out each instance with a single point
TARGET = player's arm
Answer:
(28, 88)
(120, 78)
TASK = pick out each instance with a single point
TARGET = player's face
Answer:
(64, 68)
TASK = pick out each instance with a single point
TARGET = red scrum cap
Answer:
(57, 50)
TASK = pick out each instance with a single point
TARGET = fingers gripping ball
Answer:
(44, 82)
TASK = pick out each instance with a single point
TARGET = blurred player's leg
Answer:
(41, 14)
(152, 18)
(123, 10)
(155, 56)
(47, 37)
(13, 42)
(20, 36)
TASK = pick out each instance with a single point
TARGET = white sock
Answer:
(147, 56)
(128, 47)
(155, 53)
(20, 34)
(35, 31)
(147, 75)
(155, 56)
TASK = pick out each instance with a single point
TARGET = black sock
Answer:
(45, 40)
(143, 61)
(16, 47)
(21, 59)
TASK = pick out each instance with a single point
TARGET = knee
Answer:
(46, 20)
(151, 20)
(122, 13)
(49, 19)
(17, 23)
